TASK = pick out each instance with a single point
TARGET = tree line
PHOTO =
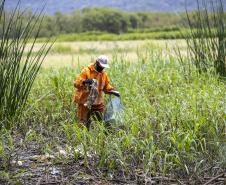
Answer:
(104, 20)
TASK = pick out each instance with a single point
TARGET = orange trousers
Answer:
(84, 114)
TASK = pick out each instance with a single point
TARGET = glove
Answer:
(89, 81)
(116, 93)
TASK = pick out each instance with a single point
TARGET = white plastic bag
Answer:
(115, 111)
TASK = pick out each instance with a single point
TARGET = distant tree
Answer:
(59, 22)
(92, 20)
(99, 19)
(48, 29)
(135, 20)
(143, 17)
(75, 21)
(115, 21)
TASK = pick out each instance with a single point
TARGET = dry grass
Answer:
(71, 53)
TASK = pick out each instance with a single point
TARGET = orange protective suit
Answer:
(82, 92)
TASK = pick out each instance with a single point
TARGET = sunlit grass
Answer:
(73, 53)
(174, 124)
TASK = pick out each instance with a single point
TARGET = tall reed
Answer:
(17, 71)
(207, 43)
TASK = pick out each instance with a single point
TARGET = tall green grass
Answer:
(207, 40)
(17, 72)
(173, 127)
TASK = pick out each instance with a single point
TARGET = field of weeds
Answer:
(173, 130)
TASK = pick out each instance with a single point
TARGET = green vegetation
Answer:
(173, 130)
(100, 36)
(113, 24)
(106, 20)
(174, 126)
(17, 74)
(207, 40)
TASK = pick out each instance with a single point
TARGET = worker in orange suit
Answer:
(93, 73)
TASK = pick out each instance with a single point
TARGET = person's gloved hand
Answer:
(116, 93)
(89, 81)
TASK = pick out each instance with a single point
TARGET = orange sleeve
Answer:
(78, 81)
(107, 86)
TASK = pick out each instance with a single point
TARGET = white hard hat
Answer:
(103, 61)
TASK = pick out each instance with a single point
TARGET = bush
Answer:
(112, 21)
